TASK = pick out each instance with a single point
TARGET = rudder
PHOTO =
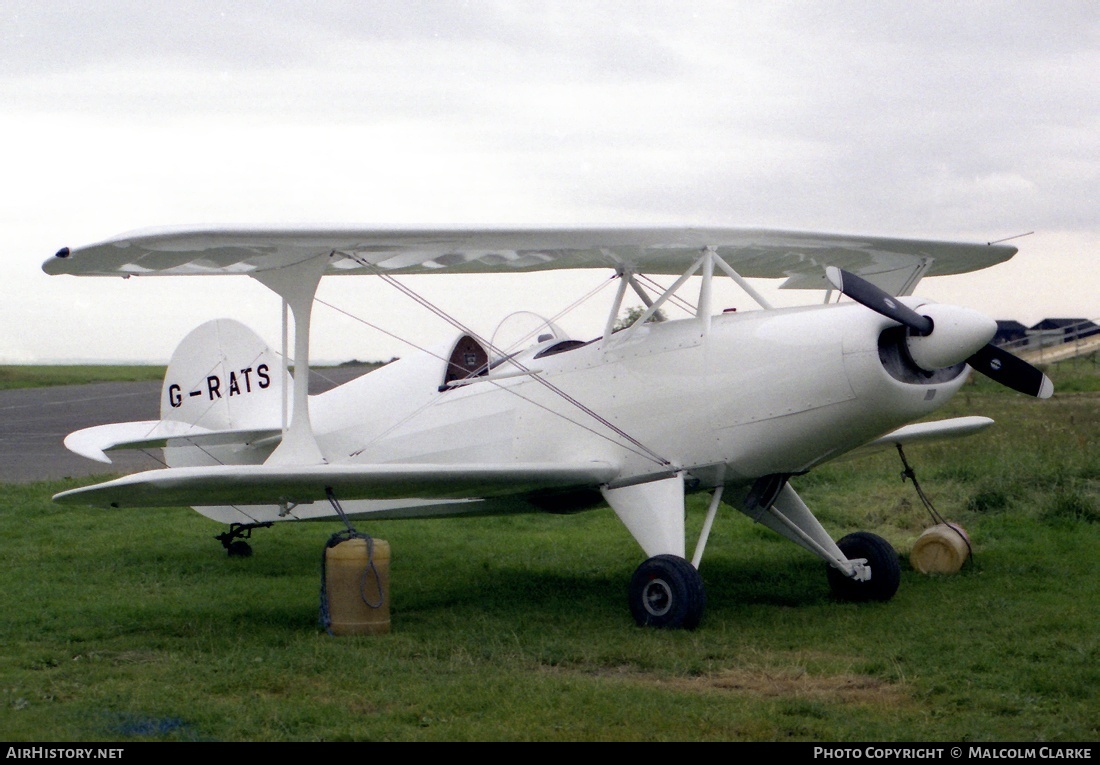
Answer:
(223, 377)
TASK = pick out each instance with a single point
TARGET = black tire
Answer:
(666, 591)
(239, 549)
(885, 569)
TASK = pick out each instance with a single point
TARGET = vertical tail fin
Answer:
(223, 377)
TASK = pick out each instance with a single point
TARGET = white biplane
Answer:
(733, 404)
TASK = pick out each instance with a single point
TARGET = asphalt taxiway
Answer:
(35, 421)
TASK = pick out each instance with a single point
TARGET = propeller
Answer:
(944, 335)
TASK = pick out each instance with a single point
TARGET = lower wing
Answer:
(291, 485)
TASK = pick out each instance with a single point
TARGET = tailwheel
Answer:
(667, 591)
(233, 540)
(882, 560)
(239, 549)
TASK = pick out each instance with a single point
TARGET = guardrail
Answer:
(1049, 345)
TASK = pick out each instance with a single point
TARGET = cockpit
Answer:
(468, 359)
(521, 337)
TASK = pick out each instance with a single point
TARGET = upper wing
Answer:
(272, 485)
(893, 264)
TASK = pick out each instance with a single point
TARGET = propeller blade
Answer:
(999, 365)
(1011, 371)
(878, 300)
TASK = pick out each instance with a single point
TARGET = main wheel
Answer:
(885, 569)
(667, 591)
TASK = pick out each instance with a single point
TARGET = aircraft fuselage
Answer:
(757, 393)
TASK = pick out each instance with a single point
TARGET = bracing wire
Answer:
(675, 298)
(424, 302)
(498, 385)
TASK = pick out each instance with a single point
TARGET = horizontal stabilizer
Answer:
(290, 484)
(147, 434)
(939, 430)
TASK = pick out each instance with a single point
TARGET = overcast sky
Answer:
(948, 120)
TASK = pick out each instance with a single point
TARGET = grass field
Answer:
(134, 625)
(37, 376)
(32, 376)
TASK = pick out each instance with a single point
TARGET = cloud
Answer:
(957, 121)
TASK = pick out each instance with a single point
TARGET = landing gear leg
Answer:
(862, 566)
(233, 540)
(667, 591)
